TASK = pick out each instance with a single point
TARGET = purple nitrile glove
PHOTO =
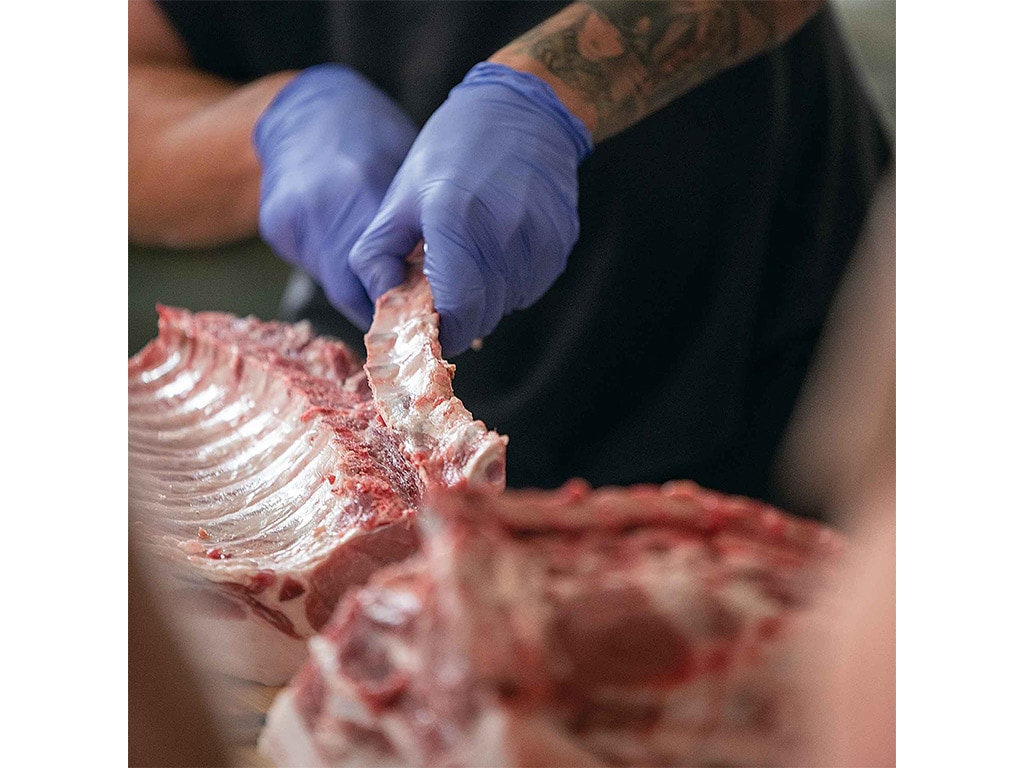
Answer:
(329, 145)
(490, 185)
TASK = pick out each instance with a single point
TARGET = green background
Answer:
(245, 279)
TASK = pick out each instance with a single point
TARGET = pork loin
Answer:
(642, 626)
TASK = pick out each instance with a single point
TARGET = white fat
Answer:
(390, 607)
(748, 600)
(670, 583)
(285, 739)
(151, 375)
(402, 739)
(487, 742)
(179, 385)
(343, 704)
(323, 655)
(405, 657)
(342, 699)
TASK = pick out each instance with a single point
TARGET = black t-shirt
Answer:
(713, 235)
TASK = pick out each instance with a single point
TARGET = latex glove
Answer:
(490, 185)
(329, 145)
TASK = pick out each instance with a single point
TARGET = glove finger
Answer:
(464, 296)
(347, 295)
(279, 214)
(378, 257)
(343, 288)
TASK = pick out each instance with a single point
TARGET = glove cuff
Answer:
(538, 92)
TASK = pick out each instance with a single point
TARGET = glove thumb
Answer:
(378, 257)
(468, 303)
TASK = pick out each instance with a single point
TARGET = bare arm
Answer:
(613, 62)
(193, 177)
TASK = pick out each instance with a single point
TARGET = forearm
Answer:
(613, 62)
(193, 177)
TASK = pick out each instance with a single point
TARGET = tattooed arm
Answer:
(613, 62)
(491, 183)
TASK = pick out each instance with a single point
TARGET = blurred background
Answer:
(246, 278)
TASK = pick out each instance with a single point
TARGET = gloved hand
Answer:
(329, 145)
(490, 185)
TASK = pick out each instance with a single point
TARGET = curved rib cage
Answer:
(263, 469)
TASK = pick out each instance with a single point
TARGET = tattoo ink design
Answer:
(628, 58)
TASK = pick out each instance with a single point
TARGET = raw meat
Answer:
(261, 470)
(642, 626)
(411, 384)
